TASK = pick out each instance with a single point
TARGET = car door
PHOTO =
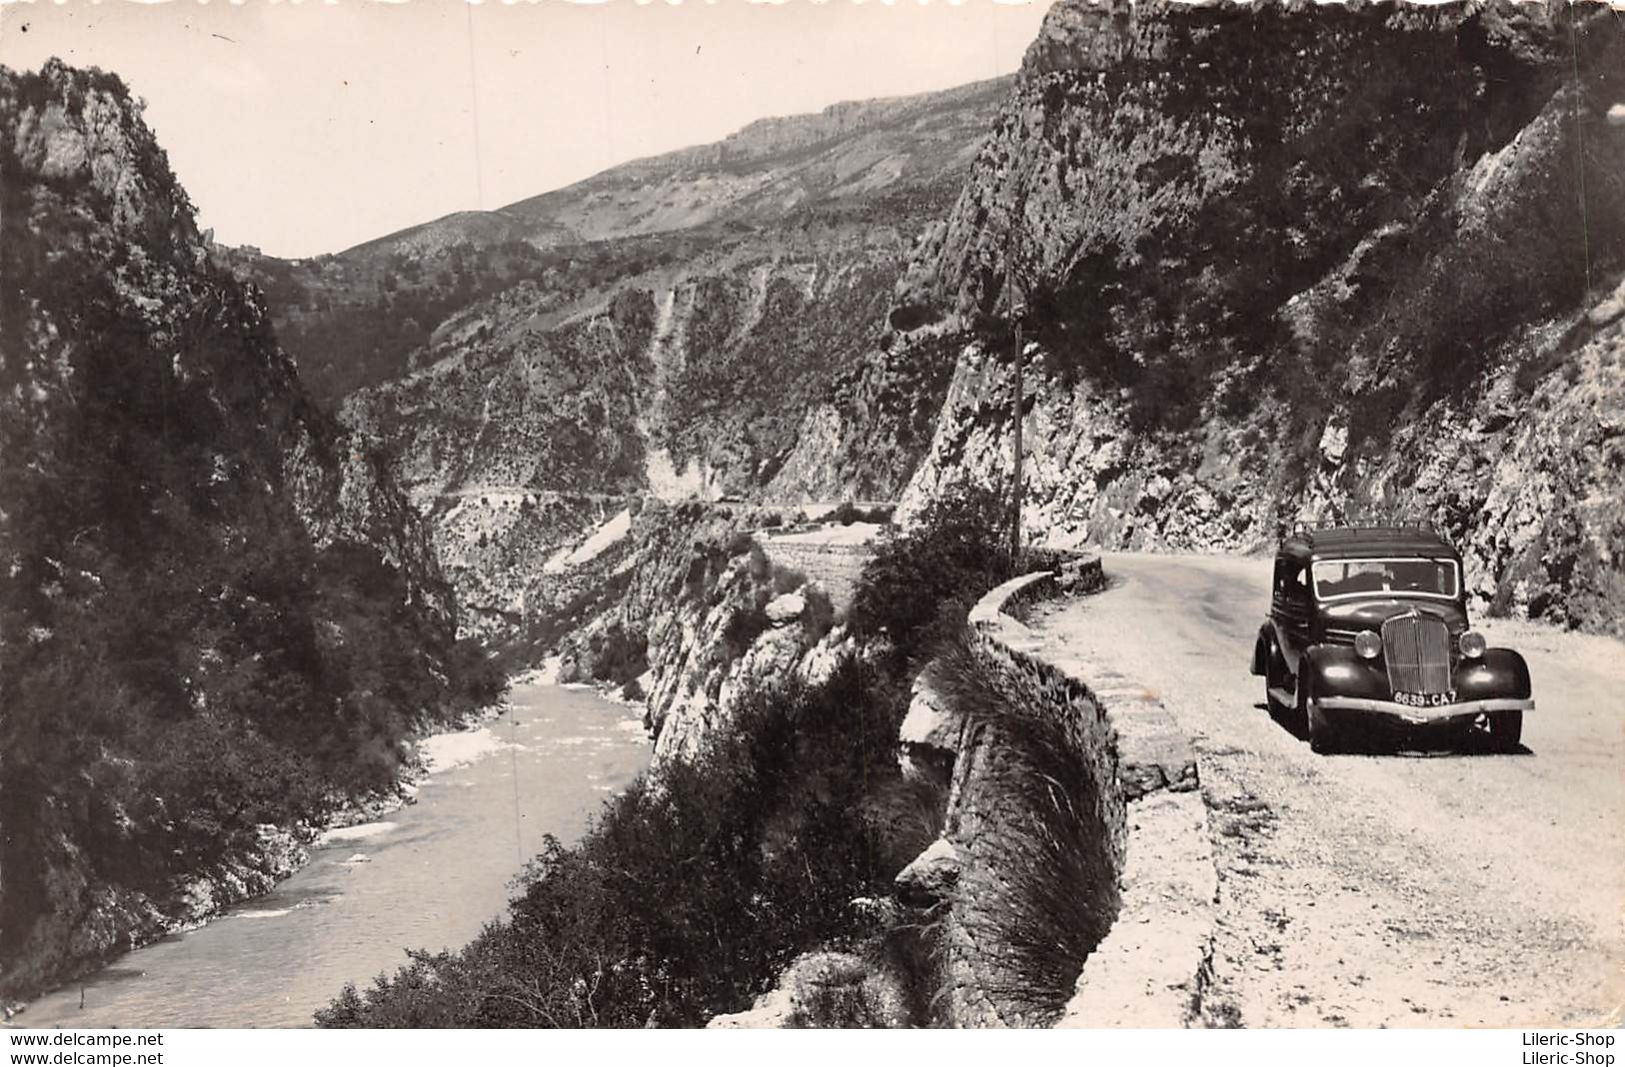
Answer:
(1291, 608)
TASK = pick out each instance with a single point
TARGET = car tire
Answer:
(1506, 730)
(1278, 711)
(1322, 737)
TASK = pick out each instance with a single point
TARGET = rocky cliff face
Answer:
(690, 606)
(220, 615)
(1292, 262)
(670, 346)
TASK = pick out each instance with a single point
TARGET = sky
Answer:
(310, 127)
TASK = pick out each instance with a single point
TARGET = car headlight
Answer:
(1367, 645)
(1472, 644)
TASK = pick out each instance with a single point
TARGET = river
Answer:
(429, 875)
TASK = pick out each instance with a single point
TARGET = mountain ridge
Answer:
(529, 218)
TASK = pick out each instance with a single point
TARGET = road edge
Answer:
(1155, 965)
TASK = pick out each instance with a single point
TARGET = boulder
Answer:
(826, 990)
(930, 720)
(783, 610)
(931, 877)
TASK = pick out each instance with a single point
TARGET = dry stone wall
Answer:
(836, 567)
(1150, 967)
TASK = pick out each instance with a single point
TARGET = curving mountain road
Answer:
(1410, 888)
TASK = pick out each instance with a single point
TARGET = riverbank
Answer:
(280, 852)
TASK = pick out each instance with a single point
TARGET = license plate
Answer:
(1426, 700)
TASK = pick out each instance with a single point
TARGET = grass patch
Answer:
(1055, 893)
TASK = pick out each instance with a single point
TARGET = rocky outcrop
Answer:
(1434, 222)
(345, 493)
(826, 990)
(714, 618)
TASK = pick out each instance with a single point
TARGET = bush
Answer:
(919, 584)
(819, 617)
(837, 990)
(619, 655)
(846, 514)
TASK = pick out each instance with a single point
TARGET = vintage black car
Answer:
(1367, 634)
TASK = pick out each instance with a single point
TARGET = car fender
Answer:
(1261, 648)
(1499, 672)
(1339, 670)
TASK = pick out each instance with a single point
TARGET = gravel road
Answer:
(1402, 889)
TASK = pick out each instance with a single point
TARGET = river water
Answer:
(428, 876)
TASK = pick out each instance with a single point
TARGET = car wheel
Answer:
(1322, 737)
(1272, 678)
(1506, 730)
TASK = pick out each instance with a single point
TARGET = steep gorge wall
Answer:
(1289, 262)
(536, 415)
(219, 618)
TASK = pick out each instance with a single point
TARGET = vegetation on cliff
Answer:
(780, 835)
(922, 581)
(217, 615)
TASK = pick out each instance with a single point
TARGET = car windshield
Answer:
(1363, 577)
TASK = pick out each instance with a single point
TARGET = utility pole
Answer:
(1017, 313)
(1015, 517)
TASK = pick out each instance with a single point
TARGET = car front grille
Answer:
(1417, 651)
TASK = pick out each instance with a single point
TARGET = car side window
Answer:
(1290, 586)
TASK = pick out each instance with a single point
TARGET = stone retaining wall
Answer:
(1151, 967)
(836, 567)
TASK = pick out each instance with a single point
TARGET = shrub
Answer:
(831, 990)
(934, 572)
(846, 514)
(619, 655)
(819, 617)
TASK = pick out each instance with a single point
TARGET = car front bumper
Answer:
(1444, 713)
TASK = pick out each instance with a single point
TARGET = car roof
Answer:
(1348, 542)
